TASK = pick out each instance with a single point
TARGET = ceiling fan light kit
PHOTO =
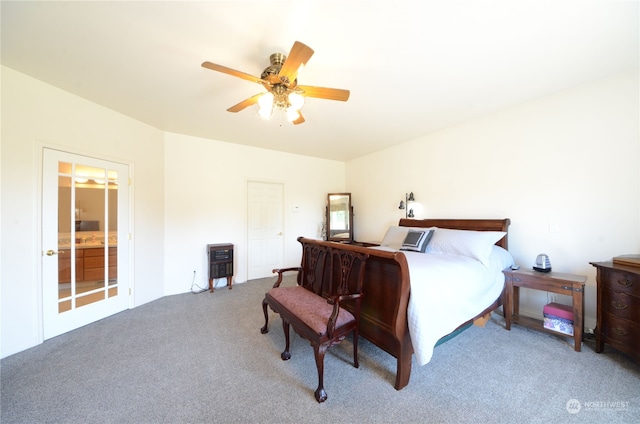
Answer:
(280, 98)
(280, 81)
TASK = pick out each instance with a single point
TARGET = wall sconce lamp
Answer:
(404, 204)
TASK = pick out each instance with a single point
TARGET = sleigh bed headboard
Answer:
(463, 224)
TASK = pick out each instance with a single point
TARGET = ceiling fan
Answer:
(280, 81)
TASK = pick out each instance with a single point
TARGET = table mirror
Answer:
(339, 217)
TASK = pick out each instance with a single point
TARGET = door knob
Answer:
(53, 252)
(280, 233)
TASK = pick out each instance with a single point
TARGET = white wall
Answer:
(206, 202)
(571, 161)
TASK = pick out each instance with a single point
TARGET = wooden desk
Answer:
(554, 282)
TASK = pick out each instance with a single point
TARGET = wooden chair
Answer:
(328, 280)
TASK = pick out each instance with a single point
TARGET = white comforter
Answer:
(446, 291)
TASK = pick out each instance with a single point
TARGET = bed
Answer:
(388, 314)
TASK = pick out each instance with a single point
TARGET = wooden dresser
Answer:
(618, 309)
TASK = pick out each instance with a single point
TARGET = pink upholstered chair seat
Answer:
(312, 309)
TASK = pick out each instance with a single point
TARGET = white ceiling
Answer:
(413, 67)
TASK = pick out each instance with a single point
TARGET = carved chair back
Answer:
(313, 268)
(346, 270)
(331, 272)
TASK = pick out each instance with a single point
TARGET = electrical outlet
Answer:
(553, 298)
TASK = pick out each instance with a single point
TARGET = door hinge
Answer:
(129, 182)
(129, 291)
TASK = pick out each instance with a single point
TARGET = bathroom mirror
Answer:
(339, 217)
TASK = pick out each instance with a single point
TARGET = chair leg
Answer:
(265, 329)
(355, 348)
(286, 355)
(319, 352)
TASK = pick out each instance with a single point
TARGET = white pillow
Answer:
(500, 258)
(474, 244)
(394, 237)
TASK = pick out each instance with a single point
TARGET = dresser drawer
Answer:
(622, 281)
(621, 304)
(621, 333)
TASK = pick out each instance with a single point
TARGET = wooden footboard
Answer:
(383, 315)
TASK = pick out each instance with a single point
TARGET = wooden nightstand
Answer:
(554, 282)
(366, 243)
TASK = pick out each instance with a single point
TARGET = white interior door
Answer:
(265, 228)
(85, 240)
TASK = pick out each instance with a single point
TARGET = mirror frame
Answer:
(349, 231)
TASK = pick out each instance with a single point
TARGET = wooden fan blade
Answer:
(245, 103)
(324, 93)
(300, 119)
(299, 56)
(232, 72)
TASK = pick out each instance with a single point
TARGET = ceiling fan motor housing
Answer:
(277, 60)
